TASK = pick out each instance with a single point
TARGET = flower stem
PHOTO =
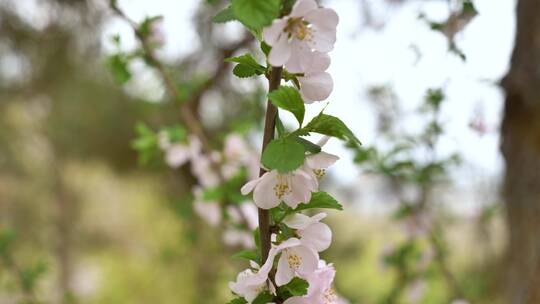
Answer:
(274, 79)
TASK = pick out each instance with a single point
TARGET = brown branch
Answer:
(274, 80)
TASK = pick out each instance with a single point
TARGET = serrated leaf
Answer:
(284, 155)
(247, 60)
(320, 200)
(296, 287)
(288, 98)
(256, 14)
(247, 66)
(244, 71)
(309, 146)
(331, 126)
(224, 15)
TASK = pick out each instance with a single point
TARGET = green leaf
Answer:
(331, 126)
(146, 143)
(283, 154)
(176, 133)
(309, 146)
(263, 298)
(256, 14)
(265, 48)
(280, 127)
(6, 239)
(118, 65)
(247, 66)
(225, 15)
(238, 301)
(247, 254)
(320, 200)
(288, 98)
(296, 287)
(249, 61)
(244, 71)
(257, 237)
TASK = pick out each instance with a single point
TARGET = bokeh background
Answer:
(83, 221)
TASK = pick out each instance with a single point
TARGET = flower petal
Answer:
(303, 7)
(321, 160)
(264, 195)
(272, 33)
(310, 260)
(177, 155)
(249, 186)
(323, 140)
(301, 57)
(297, 221)
(284, 272)
(323, 19)
(319, 63)
(316, 87)
(317, 236)
(280, 52)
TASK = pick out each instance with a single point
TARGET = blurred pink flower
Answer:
(210, 211)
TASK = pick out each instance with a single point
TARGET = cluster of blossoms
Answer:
(212, 170)
(300, 42)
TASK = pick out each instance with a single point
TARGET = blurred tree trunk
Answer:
(521, 149)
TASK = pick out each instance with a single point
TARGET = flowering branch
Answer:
(295, 37)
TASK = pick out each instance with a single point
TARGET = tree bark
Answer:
(521, 150)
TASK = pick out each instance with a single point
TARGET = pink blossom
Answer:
(245, 210)
(236, 237)
(307, 28)
(315, 83)
(316, 164)
(210, 211)
(312, 232)
(320, 290)
(292, 188)
(296, 260)
(202, 167)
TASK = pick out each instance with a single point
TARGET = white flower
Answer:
(311, 231)
(320, 290)
(249, 284)
(315, 84)
(247, 290)
(316, 164)
(292, 188)
(307, 28)
(296, 260)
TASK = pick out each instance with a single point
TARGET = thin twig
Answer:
(274, 80)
